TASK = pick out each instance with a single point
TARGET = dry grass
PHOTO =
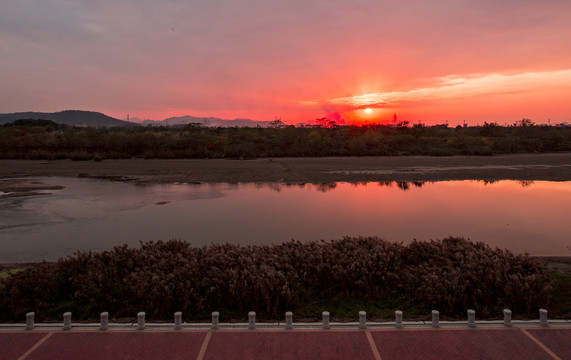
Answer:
(450, 275)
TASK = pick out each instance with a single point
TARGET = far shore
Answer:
(522, 167)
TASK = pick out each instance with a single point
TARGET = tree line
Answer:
(44, 139)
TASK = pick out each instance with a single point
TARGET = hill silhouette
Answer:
(206, 121)
(97, 119)
(67, 117)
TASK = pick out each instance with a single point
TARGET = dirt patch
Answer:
(524, 167)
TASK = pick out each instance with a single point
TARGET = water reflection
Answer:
(327, 186)
(402, 185)
(523, 183)
(278, 187)
(96, 215)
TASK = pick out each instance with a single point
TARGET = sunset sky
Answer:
(428, 61)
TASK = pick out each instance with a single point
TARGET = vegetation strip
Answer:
(44, 139)
(364, 273)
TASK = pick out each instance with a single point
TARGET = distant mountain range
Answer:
(67, 117)
(205, 121)
(97, 119)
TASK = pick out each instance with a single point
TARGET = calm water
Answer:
(96, 215)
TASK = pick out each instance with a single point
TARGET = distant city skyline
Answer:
(427, 61)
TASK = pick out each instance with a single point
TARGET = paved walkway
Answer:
(374, 344)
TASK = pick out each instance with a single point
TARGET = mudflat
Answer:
(525, 167)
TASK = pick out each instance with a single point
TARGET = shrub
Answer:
(160, 278)
(25, 141)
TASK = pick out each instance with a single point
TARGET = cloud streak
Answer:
(455, 86)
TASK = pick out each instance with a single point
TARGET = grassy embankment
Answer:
(47, 140)
(343, 277)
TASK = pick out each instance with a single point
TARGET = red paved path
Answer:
(289, 345)
(458, 344)
(385, 344)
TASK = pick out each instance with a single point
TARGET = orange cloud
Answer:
(454, 86)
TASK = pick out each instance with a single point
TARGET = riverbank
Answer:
(523, 167)
(526, 167)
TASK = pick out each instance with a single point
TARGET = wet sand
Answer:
(20, 188)
(525, 167)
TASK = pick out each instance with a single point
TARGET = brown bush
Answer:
(160, 278)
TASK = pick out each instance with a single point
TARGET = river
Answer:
(89, 214)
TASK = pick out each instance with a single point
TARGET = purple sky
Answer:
(429, 61)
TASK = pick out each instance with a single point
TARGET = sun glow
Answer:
(365, 115)
(458, 87)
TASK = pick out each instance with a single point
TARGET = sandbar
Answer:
(524, 167)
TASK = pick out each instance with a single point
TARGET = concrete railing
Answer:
(288, 324)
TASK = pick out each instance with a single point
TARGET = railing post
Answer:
(141, 321)
(362, 320)
(104, 316)
(178, 320)
(471, 318)
(325, 315)
(289, 320)
(30, 320)
(215, 318)
(251, 320)
(67, 320)
(435, 316)
(507, 318)
(398, 319)
(542, 317)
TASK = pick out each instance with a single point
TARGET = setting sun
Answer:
(368, 110)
